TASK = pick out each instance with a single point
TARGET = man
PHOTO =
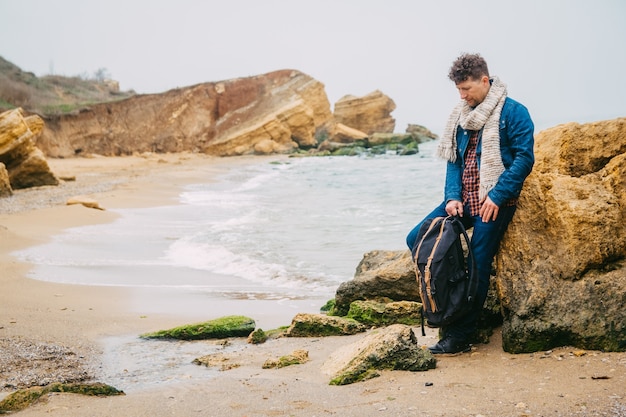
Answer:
(488, 143)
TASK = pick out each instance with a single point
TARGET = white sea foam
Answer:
(300, 225)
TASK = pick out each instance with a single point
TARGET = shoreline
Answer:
(486, 382)
(28, 219)
(60, 315)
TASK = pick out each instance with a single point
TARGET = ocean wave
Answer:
(298, 226)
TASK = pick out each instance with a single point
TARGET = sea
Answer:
(272, 236)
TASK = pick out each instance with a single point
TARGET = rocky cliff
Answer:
(279, 112)
(274, 112)
(283, 111)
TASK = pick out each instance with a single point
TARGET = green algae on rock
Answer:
(383, 314)
(23, 398)
(393, 348)
(257, 336)
(320, 325)
(220, 328)
(297, 357)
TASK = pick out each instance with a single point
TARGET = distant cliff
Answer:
(281, 110)
(284, 111)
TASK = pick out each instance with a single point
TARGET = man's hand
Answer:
(454, 208)
(488, 210)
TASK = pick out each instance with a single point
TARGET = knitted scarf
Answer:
(485, 116)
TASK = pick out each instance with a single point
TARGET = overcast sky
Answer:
(564, 59)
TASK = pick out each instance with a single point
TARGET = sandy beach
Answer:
(486, 382)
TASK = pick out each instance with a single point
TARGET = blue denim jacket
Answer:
(516, 147)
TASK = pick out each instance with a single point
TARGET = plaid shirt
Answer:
(471, 178)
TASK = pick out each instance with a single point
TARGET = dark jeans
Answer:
(485, 240)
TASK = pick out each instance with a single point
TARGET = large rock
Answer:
(394, 348)
(25, 163)
(561, 267)
(31, 171)
(274, 112)
(380, 274)
(370, 113)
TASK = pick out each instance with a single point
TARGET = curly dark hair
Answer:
(468, 66)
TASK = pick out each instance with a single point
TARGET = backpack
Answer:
(447, 286)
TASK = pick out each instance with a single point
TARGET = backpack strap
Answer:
(431, 226)
(427, 278)
(418, 274)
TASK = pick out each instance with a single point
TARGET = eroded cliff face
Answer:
(562, 264)
(269, 113)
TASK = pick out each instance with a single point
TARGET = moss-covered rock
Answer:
(315, 325)
(377, 313)
(359, 373)
(23, 398)
(223, 327)
(378, 139)
(297, 357)
(394, 347)
(328, 307)
(257, 336)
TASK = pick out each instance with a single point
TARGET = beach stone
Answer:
(216, 360)
(561, 274)
(258, 336)
(85, 201)
(394, 347)
(315, 325)
(297, 357)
